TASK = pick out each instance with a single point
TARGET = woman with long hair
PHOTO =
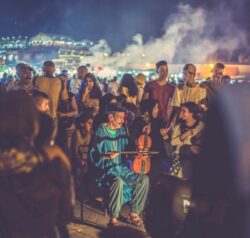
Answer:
(149, 117)
(91, 93)
(128, 88)
(186, 140)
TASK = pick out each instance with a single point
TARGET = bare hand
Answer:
(87, 90)
(186, 134)
(146, 128)
(111, 155)
(195, 149)
(164, 131)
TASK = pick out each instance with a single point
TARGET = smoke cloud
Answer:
(189, 35)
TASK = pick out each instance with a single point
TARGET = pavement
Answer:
(93, 220)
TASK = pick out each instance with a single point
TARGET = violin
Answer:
(141, 163)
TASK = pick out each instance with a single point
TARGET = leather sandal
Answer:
(112, 223)
(136, 220)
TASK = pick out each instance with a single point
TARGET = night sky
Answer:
(114, 20)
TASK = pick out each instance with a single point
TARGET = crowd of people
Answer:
(60, 136)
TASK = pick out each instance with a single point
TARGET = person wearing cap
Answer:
(190, 91)
(161, 90)
(52, 86)
(24, 79)
(117, 182)
(141, 81)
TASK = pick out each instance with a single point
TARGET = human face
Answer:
(88, 125)
(117, 119)
(217, 74)
(185, 114)
(155, 111)
(146, 117)
(24, 75)
(81, 73)
(49, 70)
(188, 77)
(163, 72)
(89, 83)
(43, 106)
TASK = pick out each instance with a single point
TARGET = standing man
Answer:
(189, 92)
(161, 90)
(214, 84)
(75, 84)
(24, 79)
(52, 86)
(118, 183)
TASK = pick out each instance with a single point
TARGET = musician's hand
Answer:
(146, 128)
(113, 155)
(164, 132)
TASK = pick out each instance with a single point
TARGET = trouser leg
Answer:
(115, 197)
(140, 194)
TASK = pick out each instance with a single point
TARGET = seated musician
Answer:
(118, 183)
(186, 140)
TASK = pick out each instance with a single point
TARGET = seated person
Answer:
(80, 145)
(186, 139)
(118, 183)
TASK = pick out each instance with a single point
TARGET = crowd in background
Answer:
(47, 126)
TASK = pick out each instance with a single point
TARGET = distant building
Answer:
(41, 47)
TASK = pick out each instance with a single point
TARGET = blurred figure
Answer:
(36, 196)
(220, 181)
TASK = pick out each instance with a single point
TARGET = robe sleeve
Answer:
(176, 136)
(96, 151)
